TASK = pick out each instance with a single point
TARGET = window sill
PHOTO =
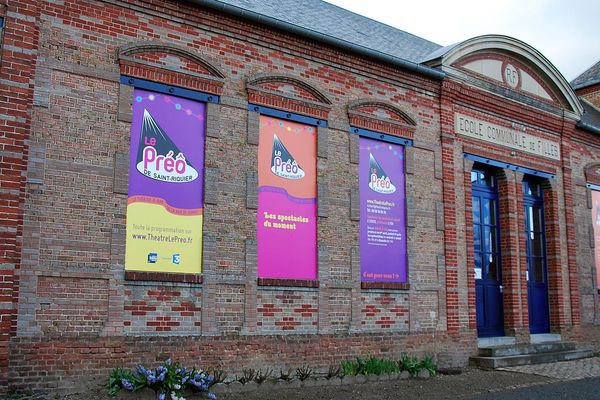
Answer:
(385, 285)
(162, 277)
(288, 282)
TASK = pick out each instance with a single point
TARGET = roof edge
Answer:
(313, 35)
(586, 84)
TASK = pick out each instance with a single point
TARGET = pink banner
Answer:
(287, 211)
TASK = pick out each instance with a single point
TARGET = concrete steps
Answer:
(526, 354)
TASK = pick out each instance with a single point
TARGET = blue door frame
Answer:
(487, 258)
(537, 269)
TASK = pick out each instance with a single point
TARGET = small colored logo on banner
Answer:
(379, 182)
(283, 163)
(176, 259)
(152, 258)
(155, 155)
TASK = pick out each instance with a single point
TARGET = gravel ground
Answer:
(469, 384)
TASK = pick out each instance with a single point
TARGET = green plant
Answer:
(14, 395)
(262, 376)
(378, 366)
(369, 366)
(119, 379)
(428, 364)
(411, 364)
(304, 372)
(248, 375)
(286, 375)
(333, 371)
(349, 368)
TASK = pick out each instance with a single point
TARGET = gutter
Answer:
(320, 37)
(588, 127)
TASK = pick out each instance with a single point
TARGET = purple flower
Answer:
(161, 396)
(212, 396)
(127, 385)
(168, 361)
(142, 370)
(161, 373)
(151, 378)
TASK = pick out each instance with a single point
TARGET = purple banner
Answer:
(382, 212)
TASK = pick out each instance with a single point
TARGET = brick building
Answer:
(257, 122)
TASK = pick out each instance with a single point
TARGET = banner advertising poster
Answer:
(287, 206)
(596, 223)
(166, 182)
(382, 212)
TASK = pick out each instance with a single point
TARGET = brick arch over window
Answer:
(288, 93)
(382, 117)
(592, 173)
(171, 65)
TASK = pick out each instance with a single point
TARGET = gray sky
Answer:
(566, 32)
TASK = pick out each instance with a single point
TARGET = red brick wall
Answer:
(17, 70)
(87, 362)
(591, 94)
(585, 150)
(75, 209)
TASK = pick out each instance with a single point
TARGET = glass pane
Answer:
(537, 244)
(532, 189)
(538, 269)
(490, 240)
(474, 175)
(493, 219)
(476, 210)
(489, 179)
(494, 240)
(529, 218)
(485, 211)
(478, 271)
(538, 217)
(491, 261)
(477, 237)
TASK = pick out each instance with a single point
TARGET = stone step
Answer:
(527, 359)
(522, 349)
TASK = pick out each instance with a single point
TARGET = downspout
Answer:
(588, 127)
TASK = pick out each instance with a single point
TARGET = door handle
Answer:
(501, 287)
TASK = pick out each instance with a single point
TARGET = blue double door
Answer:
(487, 257)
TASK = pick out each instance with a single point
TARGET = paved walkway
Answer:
(564, 370)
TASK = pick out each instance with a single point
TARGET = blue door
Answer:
(486, 241)
(537, 271)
